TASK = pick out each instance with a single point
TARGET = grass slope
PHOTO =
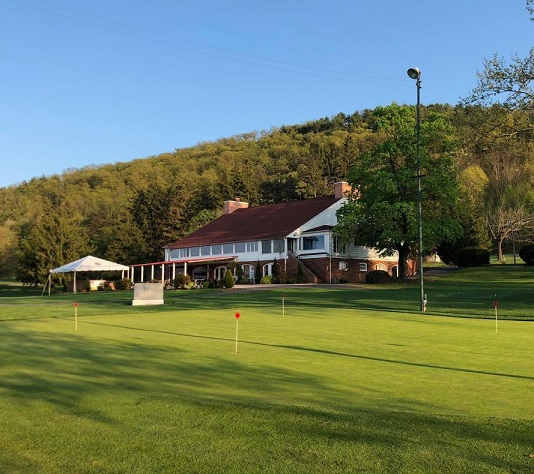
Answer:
(337, 385)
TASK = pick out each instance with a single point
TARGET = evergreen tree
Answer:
(257, 273)
(300, 274)
(228, 280)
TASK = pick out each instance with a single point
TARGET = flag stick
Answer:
(496, 306)
(237, 316)
(236, 333)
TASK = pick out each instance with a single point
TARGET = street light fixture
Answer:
(415, 74)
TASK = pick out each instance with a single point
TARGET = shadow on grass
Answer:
(320, 351)
(230, 399)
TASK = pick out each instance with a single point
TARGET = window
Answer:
(216, 249)
(248, 272)
(266, 246)
(313, 242)
(381, 266)
(194, 251)
(200, 273)
(267, 269)
(343, 266)
(183, 253)
(228, 248)
(363, 267)
(252, 246)
(240, 247)
(278, 246)
(205, 250)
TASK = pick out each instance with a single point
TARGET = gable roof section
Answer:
(257, 223)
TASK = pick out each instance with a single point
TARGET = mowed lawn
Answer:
(344, 380)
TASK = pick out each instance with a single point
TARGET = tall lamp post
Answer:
(415, 73)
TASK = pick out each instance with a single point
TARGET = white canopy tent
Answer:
(88, 264)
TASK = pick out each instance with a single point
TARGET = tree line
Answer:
(477, 158)
(479, 193)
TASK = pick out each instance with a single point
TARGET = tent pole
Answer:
(74, 287)
(46, 284)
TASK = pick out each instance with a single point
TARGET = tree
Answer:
(301, 278)
(509, 83)
(53, 238)
(257, 273)
(228, 279)
(382, 210)
(161, 215)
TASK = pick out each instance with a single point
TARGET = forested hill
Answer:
(128, 211)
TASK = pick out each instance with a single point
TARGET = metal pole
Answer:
(419, 196)
(513, 241)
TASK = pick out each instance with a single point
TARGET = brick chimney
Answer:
(341, 189)
(232, 205)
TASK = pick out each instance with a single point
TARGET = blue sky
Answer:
(88, 83)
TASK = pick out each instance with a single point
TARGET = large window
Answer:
(248, 272)
(278, 246)
(216, 249)
(252, 246)
(313, 242)
(205, 250)
(228, 249)
(194, 251)
(240, 247)
(266, 246)
(200, 273)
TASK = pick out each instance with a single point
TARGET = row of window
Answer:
(248, 270)
(269, 246)
(218, 249)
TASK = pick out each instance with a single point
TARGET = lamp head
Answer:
(414, 73)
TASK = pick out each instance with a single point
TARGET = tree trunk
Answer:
(403, 251)
(500, 257)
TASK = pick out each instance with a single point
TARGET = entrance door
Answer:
(219, 273)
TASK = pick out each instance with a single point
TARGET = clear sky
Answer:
(102, 81)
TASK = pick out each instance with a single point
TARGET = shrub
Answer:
(239, 276)
(182, 281)
(275, 270)
(257, 273)
(228, 279)
(300, 275)
(87, 285)
(124, 284)
(527, 254)
(266, 280)
(472, 257)
(377, 277)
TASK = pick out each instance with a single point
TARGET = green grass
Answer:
(348, 381)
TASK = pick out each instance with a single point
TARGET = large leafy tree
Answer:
(506, 82)
(382, 211)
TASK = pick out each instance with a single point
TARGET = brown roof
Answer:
(257, 223)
